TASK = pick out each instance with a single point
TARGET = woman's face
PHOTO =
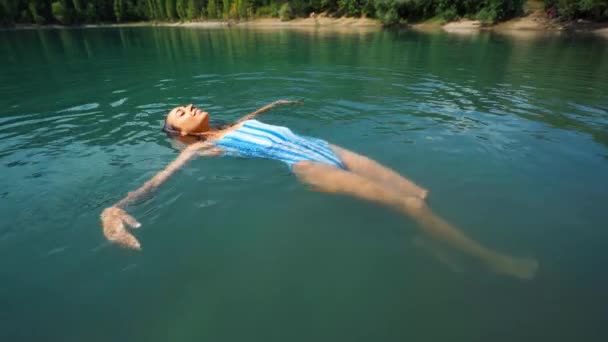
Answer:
(188, 119)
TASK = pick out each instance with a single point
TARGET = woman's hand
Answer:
(267, 108)
(280, 102)
(113, 219)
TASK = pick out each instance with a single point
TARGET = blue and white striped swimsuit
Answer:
(259, 140)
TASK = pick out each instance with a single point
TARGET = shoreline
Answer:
(534, 22)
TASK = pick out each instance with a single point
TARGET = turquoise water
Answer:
(510, 134)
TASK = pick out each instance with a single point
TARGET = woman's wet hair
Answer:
(170, 129)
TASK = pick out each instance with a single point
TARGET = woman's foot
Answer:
(522, 268)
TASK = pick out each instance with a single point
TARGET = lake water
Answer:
(509, 133)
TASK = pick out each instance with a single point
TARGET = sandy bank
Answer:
(313, 22)
(534, 21)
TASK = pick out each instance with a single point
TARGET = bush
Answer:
(26, 17)
(285, 12)
(38, 19)
(61, 13)
(571, 9)
(350, 8)
(486, 15)
(225, 8)
(387, 12)
(233, 13)
(268, 11)
(170, 9)
(5, 17)
(119, 10)
(329, 5)
(192, 9)
(503, 9)
(368, 10)
(448, 14)
(7, 13)
(212, 12)
(180, 9)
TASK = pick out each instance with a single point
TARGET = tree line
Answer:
(572, 9)
(69, 12)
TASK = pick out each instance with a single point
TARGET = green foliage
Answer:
(39, 12)
(212, 10)
(152, 9)
(241, 7)
(170, 9)
(351, 8)
(119, 10)
(387, 12)
(8, 12)
(448, 14)
(5, 15)
(285, 12)
(192, 9)
(390, 12)
(572, 9)
(25, 16)
(368, 9)
(271, 11)
(78, 8)
(180, 9)
(329, 5)
(225, 8)
(62, 13)
(90, 13)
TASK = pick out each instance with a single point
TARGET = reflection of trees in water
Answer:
(553, 79)
(546, 78)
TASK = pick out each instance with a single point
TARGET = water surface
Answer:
(510, 134)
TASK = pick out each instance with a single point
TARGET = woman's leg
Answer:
(330, 179)
(371, 169)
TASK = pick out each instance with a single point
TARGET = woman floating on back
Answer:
(325, 167)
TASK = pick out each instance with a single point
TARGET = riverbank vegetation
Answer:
(578, 9)
(71, 12)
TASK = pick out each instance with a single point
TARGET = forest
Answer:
(390, 12)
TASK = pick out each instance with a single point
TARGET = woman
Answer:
(325, 167)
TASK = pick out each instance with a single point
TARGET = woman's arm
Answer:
(266, 108)
(114, 217)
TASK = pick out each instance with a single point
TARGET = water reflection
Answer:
(559, 81)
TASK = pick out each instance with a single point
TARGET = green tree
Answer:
(156, 9)
(59, 12)
(212, 9)
(170, 9)
(192, 9)
(226, 8)
(180, 9)
(329, 5)
(286, 13)
(242, 6)
(119, 10)
(8, 12)
(350, 7)
(571, 9)
(90, 14)
(79, 9)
